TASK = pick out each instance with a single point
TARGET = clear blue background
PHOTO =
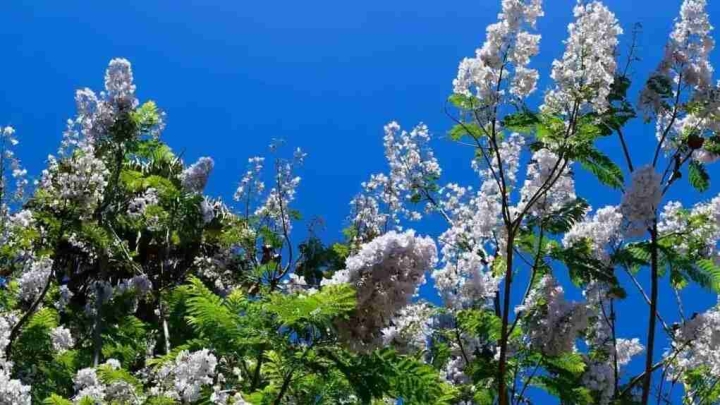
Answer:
(325, 75)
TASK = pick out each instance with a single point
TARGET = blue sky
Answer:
(325, 75)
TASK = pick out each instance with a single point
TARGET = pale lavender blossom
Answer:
(601, 231)
(386, 273)
(34, 278)
(62, 339)
(184, 378)
(504, 57)
(195, 177)
(550, 179)
(551, 323)
(642, 200)
(586, 72)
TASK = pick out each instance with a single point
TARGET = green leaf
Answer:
(481, 324)
(465, 129)
(320, 308)
(523, 122)
(55, 399)
(462, 102)
(571, 363)
(712, 271)
(599, 164)
(698, 176)
(563, 219)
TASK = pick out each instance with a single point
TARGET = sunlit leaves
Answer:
(698, 176)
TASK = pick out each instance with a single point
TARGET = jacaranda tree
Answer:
(122, 283)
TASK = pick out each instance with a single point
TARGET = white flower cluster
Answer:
(642, 200)
(586, 72)
(119, 87)
(686, 57)
(509, 152)
(251, 183)
(277, 205)
(410, 328)
(88, 386)
(219, 397)
(140, 285)
(698, 343)
(386, 272)
(7, 142)
(184, 378)
(295, 284)
(80, 185)
(367, 217)
(600, 374)
(195, 177)
(138, 205)
(454, 371)
(413, 165)
(62, 339)
(207, 210)
(413, 170)
(96, 115)
(465, 279)
(13, 227)
(545, 179)
(12, 392)
(215, 270)
(91, 389)
(22, 219)
(34, 277)
(508, 44)
(7, 321)
(552, 324)
(601, 231)
(64, 297)
(698, 227)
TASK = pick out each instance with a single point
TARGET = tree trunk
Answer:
(502, 367)
(647, 383)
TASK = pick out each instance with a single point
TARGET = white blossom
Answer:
(698, 344)
(11, 169)
(12, 392)
(386, 273)
(601, 231)
(62, 339)
(195, 177)
(550, 179)
(251, 183)
(297, 284)
(88, 386)
(410, 328)
(642, 199)
(138, 205)
(119, 84)
(413, 170)
(80, 185)
(504, 56)
(184, 378)
(34, 278)
(113, 364)
(64, 297)
(552, 324)
(586, 71)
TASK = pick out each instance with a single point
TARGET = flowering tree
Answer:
(124, 284)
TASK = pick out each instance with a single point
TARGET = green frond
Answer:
(55, 399)
(319, 309)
